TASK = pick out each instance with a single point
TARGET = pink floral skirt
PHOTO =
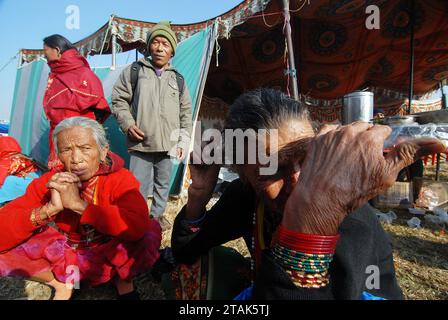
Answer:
(49, 251)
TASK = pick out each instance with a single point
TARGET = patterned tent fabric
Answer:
(85, 46)
(387, 102)
(336, 54)
(131, 34)
(333, 114)
(212, 113)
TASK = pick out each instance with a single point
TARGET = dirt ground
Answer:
(420, 257)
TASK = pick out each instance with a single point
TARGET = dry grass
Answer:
(421, 261)
(420, 257)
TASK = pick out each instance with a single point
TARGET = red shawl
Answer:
(72, 90)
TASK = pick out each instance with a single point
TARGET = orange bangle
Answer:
(33, 218)
(36, 218)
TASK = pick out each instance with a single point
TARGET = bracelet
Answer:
(33, 218)
(305, 258)
(305, 270)
(292, 260)
(36, 217)
(197, 221)
(306, 243)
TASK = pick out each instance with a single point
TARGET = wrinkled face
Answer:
(79, 152)
(275, 189)
(161, 51)
(51, 54)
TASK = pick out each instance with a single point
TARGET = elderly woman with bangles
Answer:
(87, 219)
(308, 227)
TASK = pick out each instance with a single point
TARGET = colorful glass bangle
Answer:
(298, 261)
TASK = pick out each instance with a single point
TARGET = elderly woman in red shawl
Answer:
(87, 219)
(72, 89)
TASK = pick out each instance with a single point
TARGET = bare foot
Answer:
(61, 290)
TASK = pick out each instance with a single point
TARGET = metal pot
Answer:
(399, 120)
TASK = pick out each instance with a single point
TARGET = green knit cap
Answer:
(162, 29)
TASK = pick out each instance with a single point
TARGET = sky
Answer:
(25, 23)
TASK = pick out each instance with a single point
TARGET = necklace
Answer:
(252, 257)
(258, 243)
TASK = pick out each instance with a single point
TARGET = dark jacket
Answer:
(363, 243)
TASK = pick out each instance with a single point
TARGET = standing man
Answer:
(152, 105)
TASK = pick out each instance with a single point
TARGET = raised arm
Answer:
(344, 168)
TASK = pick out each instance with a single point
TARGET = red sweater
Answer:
(121, 211)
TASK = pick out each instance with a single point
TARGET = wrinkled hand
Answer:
(67, 185)
(344, 167)
(204, 178)
(54, 206)
(135, 134)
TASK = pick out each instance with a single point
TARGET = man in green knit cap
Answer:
(151, 103)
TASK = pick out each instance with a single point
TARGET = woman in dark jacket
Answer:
(308, 228)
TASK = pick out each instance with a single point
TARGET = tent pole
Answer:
(292, 65)
(114, 51)
(411, 63)
(438, 167)
(444, 106)
(19, 63)
(444, 96)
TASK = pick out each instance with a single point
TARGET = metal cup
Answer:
(358, 106)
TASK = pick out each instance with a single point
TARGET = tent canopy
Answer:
(335, 54)
(131, 34)
(334, 51)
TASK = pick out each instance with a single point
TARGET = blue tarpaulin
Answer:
(4, 128)
(14, 187)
